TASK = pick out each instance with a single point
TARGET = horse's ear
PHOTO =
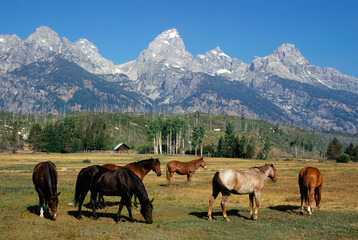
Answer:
(57, 194)
(152, 200)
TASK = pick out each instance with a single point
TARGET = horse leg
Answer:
(257, 202)
(169, 178)
(41, 203)
(310, 199)
(119, 211)
(135, 203)
(317, 196)
(223, 201)
(93, 203)
(302, 199)
(188, 181)
(211, 201)
(251, 200)
(80, 203)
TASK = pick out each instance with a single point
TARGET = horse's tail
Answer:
(219, 186)
(82, 184)
(304, 184)
(167, 170)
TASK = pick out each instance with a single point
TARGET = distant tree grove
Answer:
(173, 135)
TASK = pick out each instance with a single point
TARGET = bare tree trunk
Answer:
(160, 143)
(201, 150)
(155, 149)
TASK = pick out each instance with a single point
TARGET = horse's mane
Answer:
(147, 163)
(139, 189)
(52, 180)
(263, 168)
(197, 160)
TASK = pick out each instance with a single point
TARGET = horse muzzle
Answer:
(54, 216)
(274, 180)
(159, 174)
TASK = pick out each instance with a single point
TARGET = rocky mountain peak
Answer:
(289, 54)
(44, 37)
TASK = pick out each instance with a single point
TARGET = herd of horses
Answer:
(126, 181)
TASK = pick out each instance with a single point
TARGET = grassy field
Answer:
(180, 212)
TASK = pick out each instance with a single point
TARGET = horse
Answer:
(250, 181)
(44, 178)
(121, 182)
(310, 181)
(183, 168)
(140, 168)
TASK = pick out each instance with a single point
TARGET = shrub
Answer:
(343, 158)
(86, 161)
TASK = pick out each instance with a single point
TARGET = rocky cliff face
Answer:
(44, 70)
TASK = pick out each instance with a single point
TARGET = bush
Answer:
(145, 148)
(343, 158)
(86, 161)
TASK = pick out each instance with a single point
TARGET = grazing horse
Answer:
(140, 168)
(122, 182)
(187, 168)
(250, 181)
(44, 178)
(310, 180)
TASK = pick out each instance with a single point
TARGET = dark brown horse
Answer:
(184, 168)
(310, 180)
(140, 168)
(44, 178)
(250, 181)
(121, 182)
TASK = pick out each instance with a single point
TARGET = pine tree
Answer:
(36, 140)
(334, 149)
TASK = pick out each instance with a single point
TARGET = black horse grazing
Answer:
(122, 182)
(45, 179)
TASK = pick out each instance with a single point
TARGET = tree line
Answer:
(335, 151)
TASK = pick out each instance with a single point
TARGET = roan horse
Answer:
(122, 182)
(310, 181)
(44, 178)
(140, 168)
(187, 168)
(250, 181)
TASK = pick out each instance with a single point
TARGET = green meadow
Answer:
(180, 212)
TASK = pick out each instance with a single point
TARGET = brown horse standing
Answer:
(310, 180)
(249, 181)
(140, 169)
(44, 178)
(187, 168)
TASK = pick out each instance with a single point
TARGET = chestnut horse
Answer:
(186, 168)
(310, 180)
(249, 181)
(44, 178)
(140, 168)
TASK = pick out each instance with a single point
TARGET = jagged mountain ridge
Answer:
(282, 87)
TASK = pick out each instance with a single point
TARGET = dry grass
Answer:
(180, 212)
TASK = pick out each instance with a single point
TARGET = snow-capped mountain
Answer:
(44, 43)
(44, 70)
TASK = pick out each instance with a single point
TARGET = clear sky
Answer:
(326, 32)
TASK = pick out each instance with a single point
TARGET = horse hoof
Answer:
(79, 218)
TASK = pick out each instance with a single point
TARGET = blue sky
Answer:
(326, 32)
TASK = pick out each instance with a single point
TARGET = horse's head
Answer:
(53, 203)
(272, 173)
(156, 166)
(146, 211)
(202, 163)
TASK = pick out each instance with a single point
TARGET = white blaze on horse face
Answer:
(309, 210)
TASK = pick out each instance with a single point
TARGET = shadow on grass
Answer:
(286, 208)
(204, 215)
(89, 214)
(106, 204)
(36, 210)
